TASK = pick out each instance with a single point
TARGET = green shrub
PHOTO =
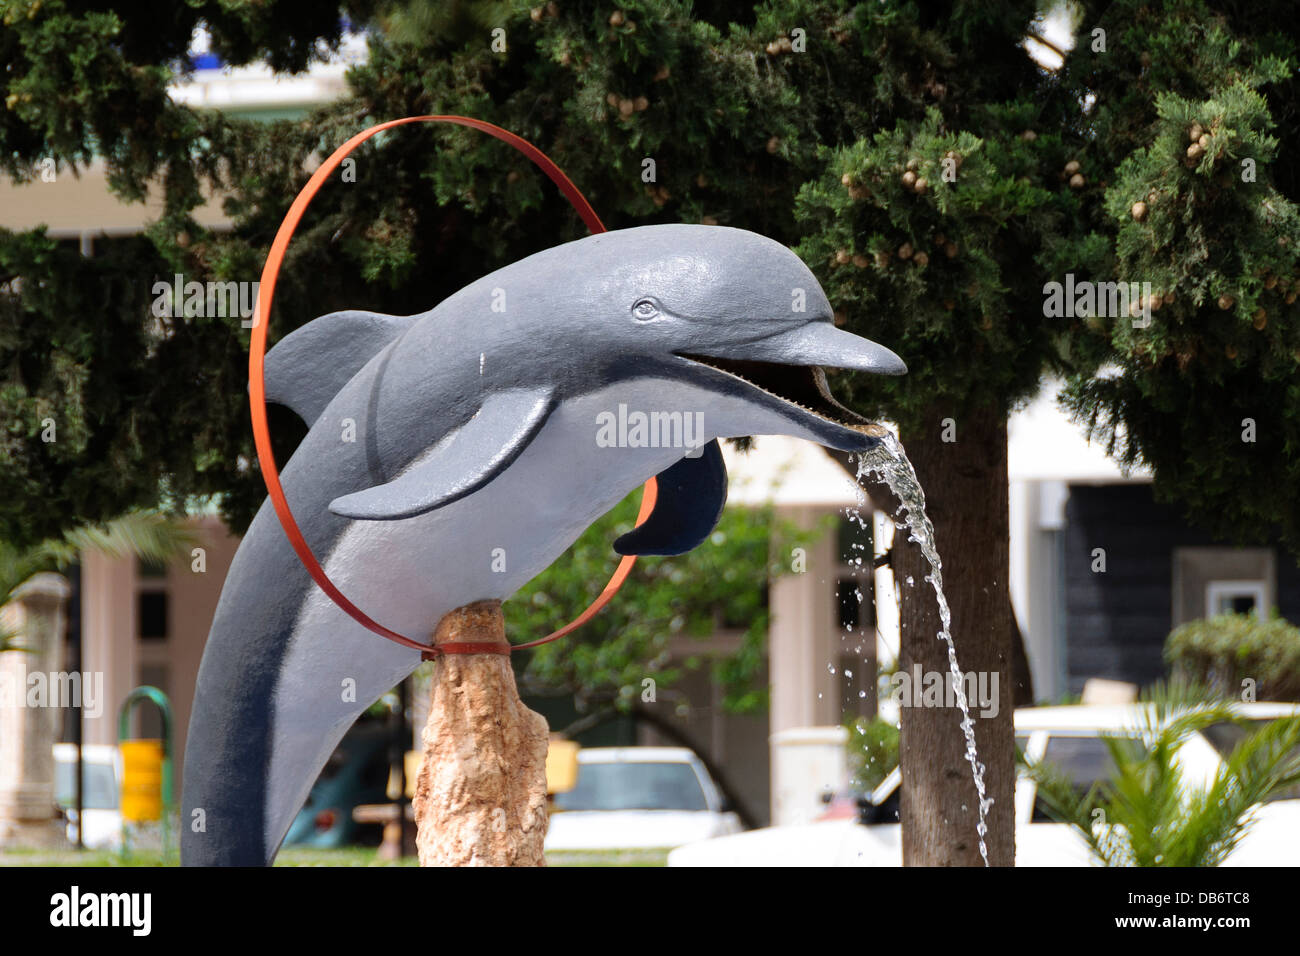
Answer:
(1226, 651)
(873, 752)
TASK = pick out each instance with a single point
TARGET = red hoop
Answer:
(257, 386)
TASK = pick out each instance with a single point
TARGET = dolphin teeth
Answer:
(803, 386)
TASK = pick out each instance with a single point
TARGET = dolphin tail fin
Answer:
(691, 497)
(308, 367)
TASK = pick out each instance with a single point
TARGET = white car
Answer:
(99, 794)
(638, 798)
(1070, 738)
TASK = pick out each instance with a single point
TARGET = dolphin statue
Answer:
(453, 455)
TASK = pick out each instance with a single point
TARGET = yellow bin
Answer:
(142, 762)
(413, 759)
(561, 765)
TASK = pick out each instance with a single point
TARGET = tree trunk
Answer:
(966, 479)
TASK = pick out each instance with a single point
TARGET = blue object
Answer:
(355, 775)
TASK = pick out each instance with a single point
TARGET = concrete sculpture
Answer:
(454, 455)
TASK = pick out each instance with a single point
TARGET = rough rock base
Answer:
(480, 796)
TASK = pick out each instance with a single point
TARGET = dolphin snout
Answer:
(816, 343)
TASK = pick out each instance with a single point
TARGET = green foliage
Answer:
(1148, 814)
(1218, 243)
(1225, 652)
(141, 408)
(720, 586)
(82, 83)
(873, 752)
(937, 274)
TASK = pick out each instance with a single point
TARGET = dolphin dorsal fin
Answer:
(691, 497)
(309, 366)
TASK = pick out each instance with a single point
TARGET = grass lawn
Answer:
(298, 856)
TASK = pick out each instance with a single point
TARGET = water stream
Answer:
(888, 462)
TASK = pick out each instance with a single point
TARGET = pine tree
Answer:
(104, 407)
(1190, 137)
(931, 174)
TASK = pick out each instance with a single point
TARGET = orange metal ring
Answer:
(257, 387)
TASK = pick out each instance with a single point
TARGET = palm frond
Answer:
(10, 640)
(1066, 803)
(151, 535)
(1261, 765)
(1150, 815)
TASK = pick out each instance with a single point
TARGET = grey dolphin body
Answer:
(480, 451)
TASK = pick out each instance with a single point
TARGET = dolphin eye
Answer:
(645, 309)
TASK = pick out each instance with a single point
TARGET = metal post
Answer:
(87, 247)
(78, 728)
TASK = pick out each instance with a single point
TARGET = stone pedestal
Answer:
(480, 796)
(30, 713)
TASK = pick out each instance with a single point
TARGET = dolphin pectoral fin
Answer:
(309, 366)
(691, 496)
(462, 463)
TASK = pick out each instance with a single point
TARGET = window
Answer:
(888, 810)
(634, 786)
(851, 598)
(1235, 597)
(1225, 737)
(152, 611)
(1210, 581)
(855, 582)
(855, 614)
(151, 601)
(98, 784)
(1083, 760)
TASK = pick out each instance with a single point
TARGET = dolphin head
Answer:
(732, 311)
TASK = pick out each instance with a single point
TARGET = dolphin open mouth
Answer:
(787, 365)
(801, 385)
